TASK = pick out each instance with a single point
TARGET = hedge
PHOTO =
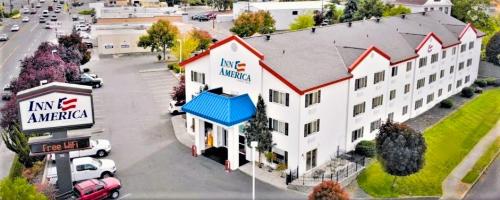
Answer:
(467, 92)
(447, 103)
(365, 148)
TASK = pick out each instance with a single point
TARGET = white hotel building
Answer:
(327, 88)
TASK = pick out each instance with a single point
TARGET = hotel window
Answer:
(432, 78)
(313, 98)
(360, 83)
(441, 74)
(193, 124)
(454, 51)
(426, 9)
(451, 69)
(198, 77)
(432, 8)
(430, 97)
(358, 109)
(422, 62)
(418, 103)
(467, 78)
(469, 62)
(408, 66)
(420, 83)
(405, 110)
(463, 47)
(459, 83)
(279, 97)
(378, 77)
(392, 94)
(471, 45)
(356, 134)
(377, 101)
(440, 92)
(108, 46)
(449, 87)
(407, 88)
(311, 159)
(394, 71)
(390, 117)
(375, 125)
(446, 10)
(434, 58)
(278, 126)
(311, 127)
(460, 66)
(441, 9)
(443, 55)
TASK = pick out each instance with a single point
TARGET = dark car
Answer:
(90, 80)
(42, 20)
(6, 93)
(53, 18)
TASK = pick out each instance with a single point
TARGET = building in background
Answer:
(425, 5)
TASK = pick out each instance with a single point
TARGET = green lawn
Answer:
(483, 162)
(448, 142)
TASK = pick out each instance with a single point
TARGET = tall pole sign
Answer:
(56, 108)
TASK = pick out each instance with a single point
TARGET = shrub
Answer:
(447, 103)
(481, 83)
(87, 12)
(467, 92)
(178, 68)
(46, 189)
(328, 190)
(365, 148)
(170, 66)
(16, 169)
(491, 81)
(281, 167)
(159, 57)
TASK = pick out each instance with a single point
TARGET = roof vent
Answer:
(283, 51)
(403, 16)
(423, 13)
(377, 19)
(349, 24)
(313, 29)
(268, 37)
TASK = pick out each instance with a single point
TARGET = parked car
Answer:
(14, 28)
(57, 10)
(53, 18)
(94, 189)
(42, 20)
(174, 107)
(45, 13)
(26, 19)
(39, 5)
(87, 79)
(59, 6)
(74, 17)
(42, 1)
(98, 148)
(48, 25)
(76, 4)
(61, 2)
(6, 92)
(50, 8)
(82, 27)
(26, 10)
(4, 37)
(88, 43)
(84, 35)
(85, 168)
(33, 11)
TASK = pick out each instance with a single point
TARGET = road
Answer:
(488, 185)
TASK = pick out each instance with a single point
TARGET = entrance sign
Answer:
(55, 106)
(47, 146)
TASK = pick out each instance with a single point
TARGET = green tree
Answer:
(266, 23)
(204, 38)
(303, 21)
(15, 140)
(183, 49)
(249, 23)
(400, 149)
(368, 9)
(159, 37)
(19, 188)
(328, 190)
(333, 14)
(257, 129)
(391, 10)
(349, 10)
(493, 49)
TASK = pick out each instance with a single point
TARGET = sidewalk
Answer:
(453, 188)
(179, 124)
(6, 157)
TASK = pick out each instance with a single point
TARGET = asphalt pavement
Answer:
(488, 185)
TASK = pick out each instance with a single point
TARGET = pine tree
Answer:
(257, 129)
(17, 142)
(350, 8)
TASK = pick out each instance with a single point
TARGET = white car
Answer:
(26, 19)
(57, 10)
(45, 13)
(174, 107)
(4, 37)
(98, 148)
(26, 10)
(82, 27)
(85, 168)
(84, 35)
(14, 27)
(38, 5)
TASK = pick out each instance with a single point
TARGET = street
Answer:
(487, 186)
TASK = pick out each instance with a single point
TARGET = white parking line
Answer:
(125, 196)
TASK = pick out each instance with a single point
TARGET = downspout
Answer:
(347, 113)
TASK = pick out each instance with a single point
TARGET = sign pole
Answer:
(63, 165)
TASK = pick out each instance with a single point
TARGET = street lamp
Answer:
(180, 50)
(253, 144)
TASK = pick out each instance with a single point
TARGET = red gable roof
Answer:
(469, 25)
(366, 53)
(431, 34)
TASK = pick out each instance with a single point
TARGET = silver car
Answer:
(4, 37)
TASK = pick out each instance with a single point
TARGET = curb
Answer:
(153, 70)
(44, 175)
(481, 174)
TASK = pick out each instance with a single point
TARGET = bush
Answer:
(481, 83)
(46, 189)
(447, 103)
(467, 92)
(170, 66)
(16, 169)
(491, 81)
(87, 12)
(365, 148)
(281, 167)
(178, 68)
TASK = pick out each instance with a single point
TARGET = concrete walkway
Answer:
(179, 124)
(453, 188)
(6, 157)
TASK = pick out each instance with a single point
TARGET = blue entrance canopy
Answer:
(223, 109)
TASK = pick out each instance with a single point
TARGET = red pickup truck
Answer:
(95, 189)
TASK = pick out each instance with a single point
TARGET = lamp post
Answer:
(180, 50)
(253, 144)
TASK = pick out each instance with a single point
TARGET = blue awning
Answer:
(222, 109)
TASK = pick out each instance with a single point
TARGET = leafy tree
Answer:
(69, 44)
(249, 23)
(179, 91)
(368, 9)
(391, 10)
(400, 149)
(159, 37)
(318, 18)
(257, 129)
(19, 188)
(183, 49)
(204, 38)
(266, 23)
(333, 14)
(328, 190)
(302, 21)
(222, 5)
(493, 49)
(17, 142)
(349, 10)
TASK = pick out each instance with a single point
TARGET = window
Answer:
(279, 97)
(443, 55)
(432, 78)
(193, 124)
(441, 74)
(405, 110)
(460, 66)
(469, 62)
(430, 97)
(360, 83)
(452, 69)
(446, 10)
(407, 88)
(108, 46)
(313, 98)
(418, 103)
(440, 92)
(471, 45)
(390, 117)
(441, 9)
(198, 77)
(422, 62)
(80, 167)
(356, 134)
(420, 83)
(408, 66)
(467, 78)
(311, 159)
(278, 126)
(375, 125)
(358, 109)
(377, 101)
(394, 71)
(426, 9)
(124, 46)
(459, 83)
(449, 87)
(295, 12)
(434, 58)
(311, 127)
(463, 47)
(378, 77)
(392, 94)
(454, 51)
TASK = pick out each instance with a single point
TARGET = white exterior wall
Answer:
(398, 83)
(117, 40)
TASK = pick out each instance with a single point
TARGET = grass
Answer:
(16, 169)
(483, 162)
(448, 142)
